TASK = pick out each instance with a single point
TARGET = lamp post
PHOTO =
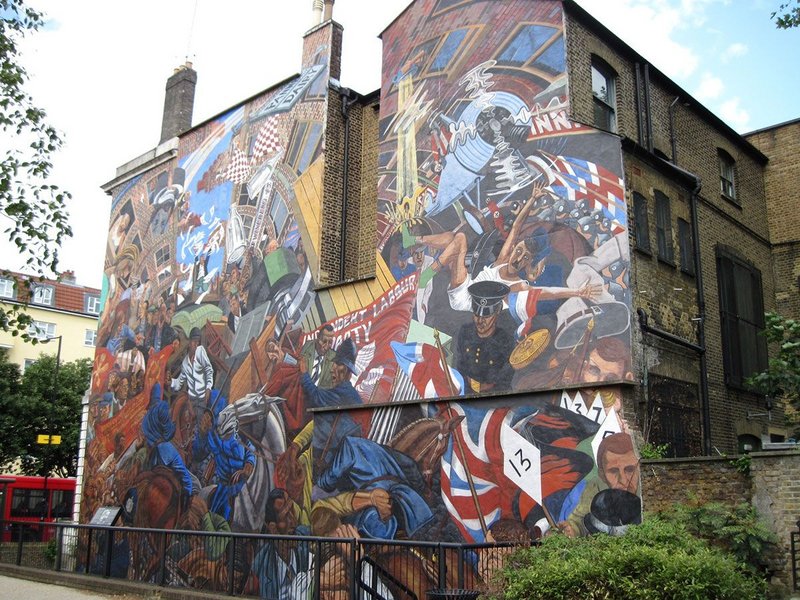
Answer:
(53, 393)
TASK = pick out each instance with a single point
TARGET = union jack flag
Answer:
(268, 140)
(579, 179)
(475, 452)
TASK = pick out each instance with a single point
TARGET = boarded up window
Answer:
(664, 228)
(675, 416)
(742, 317)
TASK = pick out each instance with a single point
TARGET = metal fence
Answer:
(265, 566)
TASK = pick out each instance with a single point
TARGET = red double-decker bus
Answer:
(24, 498)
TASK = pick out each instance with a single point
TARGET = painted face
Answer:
(123, 389)
(520, 257)
(285, 521)
(485, 326)
(419, 257)
(621, 471)
(324, 341)
(598, 369)
(339, 373)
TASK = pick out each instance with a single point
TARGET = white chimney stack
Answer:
(316, 9)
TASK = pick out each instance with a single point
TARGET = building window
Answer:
(43, 294)
(541, 44)
(93, 305)
(28, 363)
(664, 228)
(162, 256)
(742, 318)
(42, 330)
(727, 175)
(686, 247)
(6, 288)
(604, 91)
(90, 337)
(305, 141)
(641, 222)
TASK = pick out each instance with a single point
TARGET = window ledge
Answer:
(731, 200)
(667, 261)
(646, 251)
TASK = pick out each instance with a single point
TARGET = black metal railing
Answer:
(266, 566)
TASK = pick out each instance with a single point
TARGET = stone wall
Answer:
(772, 485)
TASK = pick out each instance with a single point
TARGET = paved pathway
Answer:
(13, 588)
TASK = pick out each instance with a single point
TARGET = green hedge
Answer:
(659, 559)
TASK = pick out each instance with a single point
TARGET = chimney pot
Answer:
(328, 10)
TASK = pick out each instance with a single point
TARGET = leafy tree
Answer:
(35, 208)
(39, 402)
(787, 16)
(781, 379)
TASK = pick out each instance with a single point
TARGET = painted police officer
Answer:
(482, 348)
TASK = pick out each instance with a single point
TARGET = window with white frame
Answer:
(43, 294)
(90, 337)
(727, 175)
(42, 330)
(604, 91)
(93, 305)
(6, 288)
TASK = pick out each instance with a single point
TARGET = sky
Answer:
(99, 69)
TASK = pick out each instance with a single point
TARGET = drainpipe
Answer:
(347, 102)
(673, 141)
(637, 98)
(701, 318)
(648, 113)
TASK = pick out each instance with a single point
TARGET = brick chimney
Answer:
(178, 102)
(68, 277)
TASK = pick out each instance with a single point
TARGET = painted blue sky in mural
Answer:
(727, 54)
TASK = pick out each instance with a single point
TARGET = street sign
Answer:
(44, 438)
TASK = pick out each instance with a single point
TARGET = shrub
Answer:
(737, 529)
(659, 559)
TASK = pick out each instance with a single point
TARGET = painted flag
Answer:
(579, 179)
(238, 170)
(481, 447)
(268, 140)
(610, 426)
(522, 308)
(423, 365)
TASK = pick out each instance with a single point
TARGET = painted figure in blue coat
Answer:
(234, 460)
(332, 427)
(363, 465)
(158, 430)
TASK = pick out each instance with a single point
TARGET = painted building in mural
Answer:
(465, 383)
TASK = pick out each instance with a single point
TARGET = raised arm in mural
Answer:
(514, 265)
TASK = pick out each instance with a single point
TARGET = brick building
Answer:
(481, 282)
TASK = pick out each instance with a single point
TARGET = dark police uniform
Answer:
(485, 361)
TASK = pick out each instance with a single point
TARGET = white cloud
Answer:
(710, 88)
(650, 28)
(732, 113)
(734, 51)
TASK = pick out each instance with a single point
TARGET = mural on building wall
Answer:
(502, 266)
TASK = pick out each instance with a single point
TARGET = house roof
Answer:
(67, 296)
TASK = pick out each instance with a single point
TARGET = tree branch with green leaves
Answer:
(34, 209)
